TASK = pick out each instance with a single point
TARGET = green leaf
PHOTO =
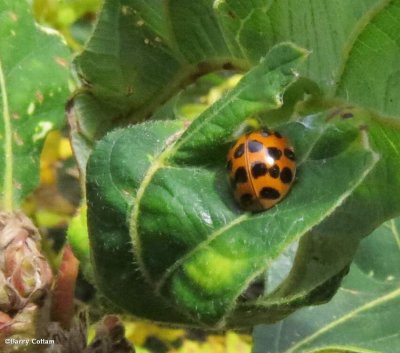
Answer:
(142, 53)
(363, 315)
(200, 259)
(332, 244)
(323, 27)
(259, 90)
(160, 209)
(116, 271)
(360, 82)
(78, 239)
(34, 86)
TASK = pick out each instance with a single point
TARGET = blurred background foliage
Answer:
(73, 18)
(56, 200)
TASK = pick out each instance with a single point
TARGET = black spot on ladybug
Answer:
(255, 146)
(274, 152)
(229, 165)
(246, 199)
(240, 175)
(265, 133)
(347, 115)
(239, 151)
(269, 193)
(277, 134)
(274, 171)
(286, 175)
(289, 154)
(259, 169)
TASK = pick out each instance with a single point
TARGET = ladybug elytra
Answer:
(262, 167)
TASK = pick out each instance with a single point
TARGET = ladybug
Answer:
(262, 167)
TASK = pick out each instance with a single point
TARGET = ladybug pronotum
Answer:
(262, 167)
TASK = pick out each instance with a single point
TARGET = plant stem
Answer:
(64, 289)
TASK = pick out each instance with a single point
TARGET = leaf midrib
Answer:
(157, 164)
(359, 28)
(344, 349)
(8, 147)
(395, 232)
(371, 304)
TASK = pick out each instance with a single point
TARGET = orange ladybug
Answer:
(262, 168)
